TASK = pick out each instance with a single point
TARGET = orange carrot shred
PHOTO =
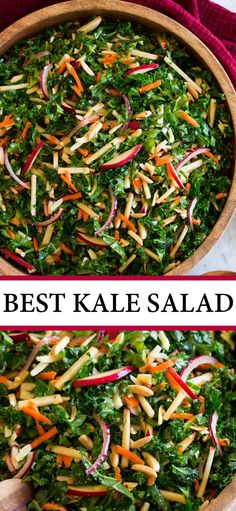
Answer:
(118, 474)
(50, 375)
(137, 183)
(163, 159)
(128, 454)
(63, 65)
(15, 221)
(69, 183)
(46, 436)
(66, 249)
(131, 401)
(98, 77)
(10, 233)
(117, 235)
(36, 415)
(150, 86)
(73, 73)
(40, 429)
(73, 196)
(4, 141)
(85, 216)
(172, 382)
(67, 460)
(26, 129)
(184, 416)
(212, 156)
(161, 367)
(48, 506)
(128, 222)
(77, 90)
(84, 152)
(188, 118)
(4, 380)
(7, 121)
(35, 243)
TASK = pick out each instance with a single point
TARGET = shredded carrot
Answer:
(40, 229)
(118, 474)
(85, 216)
(10, 233)
(66, 249)
(46, 436)
(39, 417)
(7, 121)
(80, 214)
(162, 160)
(161, 367)
(114, 92)
(40, 429)
(148, 360)
(77, 90)
(184, 416)
(73, 73)
(50, 375)
(212, 156)
(137, 183)
(4, 380)
(150, 86)
(128, 454)
(162, 385)
(225, 442)
(48, 506)
(188, 118)
(69, 183)
(131, 401)
(196, 486)
(73, 196)
(98, 77)
(4, 141)
(59, 458)
(219, 365)
(35, 243)
(84, 152)
(196, 221)
(221, 195)
(109, 60)
(202, 407)
(172, 382)
(144, 267)
(15, 221)
(67, 460)
(63, 65)
(117, 235)
(128, 222)
(26, 129)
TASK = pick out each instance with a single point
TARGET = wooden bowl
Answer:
(80, 9)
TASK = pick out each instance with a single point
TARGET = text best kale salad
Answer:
(115, 151)
(136, 421)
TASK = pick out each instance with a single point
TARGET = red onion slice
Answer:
(195, 362)
(175, 175)
(51, 220)
(12, 173)
(32, 157)
(18, 260)
(111, 216)
(41, 54)
(68, 108)
(141, 69)
(213, 424)
(190, 211)
(182, 383)
(106, 442)
(35, 351)
(9, 463)
(189, 156)
(127, 104)
(19, 336)
(88, 120)
(44, 80)
(26, 467)
(133, 125)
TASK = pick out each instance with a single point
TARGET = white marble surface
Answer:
(223, 254)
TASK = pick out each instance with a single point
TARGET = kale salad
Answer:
(115, 151)
(132, 421)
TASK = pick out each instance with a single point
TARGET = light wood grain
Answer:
(80, 9)
(15, 495)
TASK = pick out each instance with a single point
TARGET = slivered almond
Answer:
(146, 406)
(141, 442)
(145, 469)
(151, 461)
(135, 236)
(141, 390)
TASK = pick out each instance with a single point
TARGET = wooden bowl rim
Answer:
(76, 9)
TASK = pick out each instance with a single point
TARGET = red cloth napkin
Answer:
(213, 24)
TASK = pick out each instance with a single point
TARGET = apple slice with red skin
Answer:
(87, 491)
(144, 68)
(92, 240)
(103, 378)
(122, 159)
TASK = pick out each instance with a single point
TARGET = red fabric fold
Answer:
(213, 24)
